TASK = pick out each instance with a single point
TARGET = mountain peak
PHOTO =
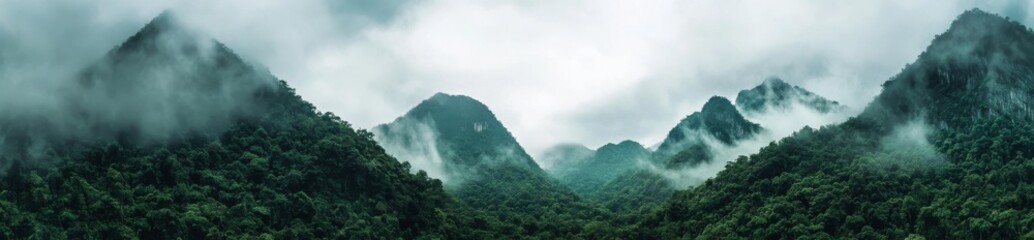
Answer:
(441, 95)
(464, 128)
(774, 93)
(774, 82)
(166, 71)
(979, 34)
(626, 145)
(718, 104)
(718, 119)
(166, 19)
(464, 107)
(977, 17)
(976, 69)
(449, 99)
(163, 32)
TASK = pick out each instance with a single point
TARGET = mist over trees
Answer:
(171, 135)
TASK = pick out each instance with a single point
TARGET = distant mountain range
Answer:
(482, 163)
(171, 135)
(935, 156)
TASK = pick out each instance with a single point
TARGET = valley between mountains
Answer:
(172, 135)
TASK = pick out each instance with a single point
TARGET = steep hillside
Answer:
(485, 167)
(688, 141)
(942, 153)
(608, 162)
(176, 137)
(466, 133)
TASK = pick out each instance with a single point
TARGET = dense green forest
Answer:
(281, 171)
(606, 164)
(846, 181)
(946, 151)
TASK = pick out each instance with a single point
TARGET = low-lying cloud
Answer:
(907, 147)
(777, 123)
(416, 142)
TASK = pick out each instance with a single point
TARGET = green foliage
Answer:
(718, 119)
(972, 86)
(468, 132)
(693, 155)
(533, 205)
(812, 185)
(634, 190)
(608, 162)
(294, 173)
(289, 172)
(503, 191)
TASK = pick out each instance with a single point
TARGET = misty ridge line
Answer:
(188, 125)
(416, 140)
(165, 119)
(165, 84)
(171, 112)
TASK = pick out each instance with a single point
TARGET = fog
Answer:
(416, 142)
(169, 82)
(778, 123)
(907, 147)
(582, 71)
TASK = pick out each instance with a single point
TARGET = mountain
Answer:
(485, 167)
(465, 133)
(718, 120)
(165, 82)
(608, 162)
(775, 94)
(978, 69)
(171, 135)
(943, 152)
(179, 81)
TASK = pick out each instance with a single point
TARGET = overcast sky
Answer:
(583, 71)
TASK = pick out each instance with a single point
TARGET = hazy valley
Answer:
(173, 135)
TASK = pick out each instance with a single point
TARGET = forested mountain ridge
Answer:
(467, 134)
(164, 83)
(980, 68)
(942, 153)
(485, 168)
(171, 135)
(276, 169)
(690, 143)
(776, 94)
(685, 144)
(607, 163)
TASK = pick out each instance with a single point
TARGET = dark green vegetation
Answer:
(718, 120)
(171, 135)
(467, 134)
(606, 164)
(776, 94)
(277, 169)
(627, 177)
(488, 171)
(970, 92)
